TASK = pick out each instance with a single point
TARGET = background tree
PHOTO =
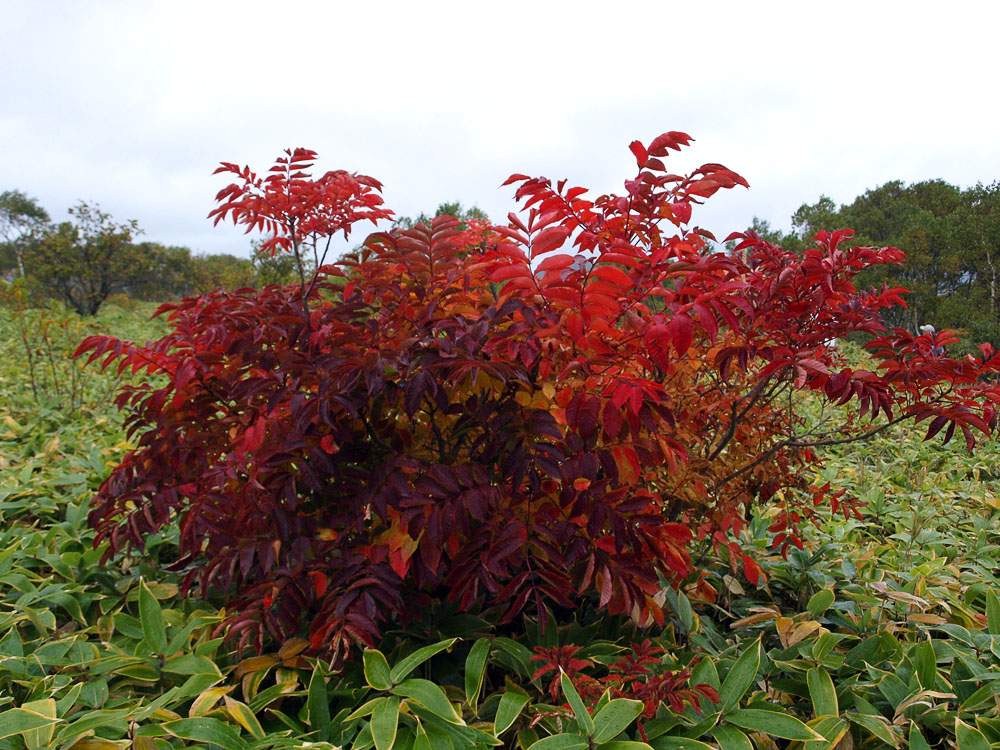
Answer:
(275, 268)
(85, 260)
(20, 217)
(952, 242)
(222, 271)
(454, 208)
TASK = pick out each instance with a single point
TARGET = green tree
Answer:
(222, 271)
(85, 260)
(952, 241)
(453, 208)
(21, 217)
(276, 268)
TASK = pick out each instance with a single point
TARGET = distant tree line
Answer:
(84, 261)
(951, 237)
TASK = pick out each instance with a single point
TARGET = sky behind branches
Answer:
(133, 104)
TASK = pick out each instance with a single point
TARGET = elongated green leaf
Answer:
(614, 717)
(875, 725)
(731, 738)
(704, 672)
(243, 716)
(583, 718)
(968, 737)
(204, 729)
(560, 742)
(18, 720)
(475, 669)
(833, 729)
(823, 645)
(385, 720)
(88, 721)
(318, 706)
(917, 741)
(40, 738)
(408, 663)
(151, 616)
(774, 723)
(678, 743)
(430, 696)
(377, 673)
(421, 740)
(740, 677)
(822, 693)
(511, 704)
(992, 612)
(624, 745)
(925, 663)
(820, 602)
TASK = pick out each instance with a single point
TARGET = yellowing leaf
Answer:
(207, 700)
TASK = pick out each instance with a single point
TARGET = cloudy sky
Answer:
(132, 104)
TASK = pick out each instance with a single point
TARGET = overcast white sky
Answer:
(132, 104)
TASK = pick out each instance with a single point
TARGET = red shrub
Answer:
(505, 417)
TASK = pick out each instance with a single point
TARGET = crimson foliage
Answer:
(505, 417)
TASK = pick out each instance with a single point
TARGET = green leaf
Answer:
(39, 739)
(678, 743)
(833, 729)
(243, 716)
(204, 729)
(583, 718)
(731, 738)
(875, 725)
(685, 613)
(511, 704)
(430, 696)
(612, 720)
(364, 709)
(19, 720)
(88, 721)
(820, 602)
(822, 693)
(190, 664)
(774, 723)
(917, 741)
(740, 677)
(475, 669)
(624, 745)
(925, 664)
(704, 672)
(823, 645)
(421, 740)
(562, 741)
(992, 612)
(385, 720)
(377, 673)
(408, 663)
(151, 616)
(968, 737)
(318, 706)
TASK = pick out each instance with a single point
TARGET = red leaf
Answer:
(582, 413)
(681, 332)
(682, 211)
(548, 239)
(639, 151)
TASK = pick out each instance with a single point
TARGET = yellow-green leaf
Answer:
(151, 616)
(740, 677)
(244, 717)
(384, 722)
(376, 669)
(822, 693)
